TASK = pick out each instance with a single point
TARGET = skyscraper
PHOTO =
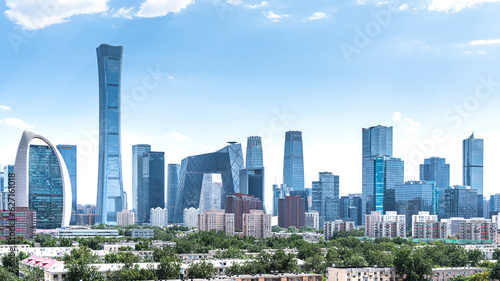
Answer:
(252, 183)
(279, 191)
(152, 192)
(461, 201)
(291, 212)
(109, 186)
(473, 150)
(326, 197)
(382, 175)
(254, 157)
(137, 156)
(415, 196)
(293, 164)
(377, 141)
(435, 169)
(68, 153)
(172, 186)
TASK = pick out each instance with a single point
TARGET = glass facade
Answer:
(473, 150)
(110, 185)
(435, 169)
(172, 187)
(152, 192)
(252, 183)
(293, 164)
(8, 169)
(254, 157)
(461, 201)
(138, 151)
(415, 196)
(377, 141)
(45, 187)
(382, 175)
(68, 153)
(325, 197)
(279, 192)
(227, 162)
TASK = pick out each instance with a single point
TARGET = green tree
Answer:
(412, 264)
(496, 254)
(32, 273)
(65, 242)
(49, 243)
(495, 271)
(201, 270)
(78, 265)
(308, 250)
(315, 264)
(111, 258)
(169, 268)
(475, 256)
(133, 273)
(11, 261)
(292, 229)
(6, 275)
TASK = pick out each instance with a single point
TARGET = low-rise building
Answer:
(143, 233)
(339, 225)
(390, 225)
(85, 232)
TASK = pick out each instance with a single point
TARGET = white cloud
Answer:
(484, 42)
(178, 136)
(455, 5)
(380, 3)
(405, 124)
(403, 7)
(274, 17)
(16, 122)
(318, 16)
(124, 13)
(4, 108)
(262, 4)
(159, 8)
(35, 14)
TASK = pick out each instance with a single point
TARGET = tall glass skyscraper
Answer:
(152, 192)
(254, 157)
(293, 164)
(382, 175)
(435, 169)
(110, 185)
(68, 153)
(377, 141)
(473, 150)
(415, 196)
(172, 186)
(45, 187)
(461, 201)
(138, 151)
(325, 197)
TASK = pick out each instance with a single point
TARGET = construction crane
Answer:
(90, 217)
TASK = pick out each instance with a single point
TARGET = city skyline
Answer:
(286, 72)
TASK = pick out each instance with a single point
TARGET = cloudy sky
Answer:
(197, 74)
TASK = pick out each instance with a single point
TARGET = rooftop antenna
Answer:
(472, 136)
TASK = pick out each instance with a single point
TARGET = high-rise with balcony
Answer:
(473, 150)
(293, 164)
(138, 151)
(435, 169)
(109, 184)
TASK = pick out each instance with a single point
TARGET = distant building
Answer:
(137, 155)
(68, 153)
(478, 229)
(339, 225)
(461, 201)
(24, 223)
(239, 204)
(291, 211)
(293, 164)
(216, 219)
(426, 226)
(257, 224)
(191, 217)
(152, 194)
(159, 216)
(415, 196)
(172, 186)
(125, 218)
(473, 150)
(390, 273)
(142, 233)
(87, 232)
(435, 169)
(254, 155)
(325, 197)
(389, 225)
(279, 191)
(312, 219)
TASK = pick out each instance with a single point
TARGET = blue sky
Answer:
(198, 74)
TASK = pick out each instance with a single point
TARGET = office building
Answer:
(125, 200)
(227, 162)
(350, 208)
(435, 169)
(8, 169)
(125, 218)
(254, 155)
(138, 151)
(293, 164)
(377, 141)
(172, 186)
(110, 185)
(152, 194)
(461, 201)
(415, 196)
(279, 191)
(390, 225)
(239, 204)
(330, 227)
(211, 193)
(325, 197)
(473, 150)
(312, 219)
(86, 214)
(291, 212)
(252, 182)
(191, 217)
(257, 224)
(142, 233)
(302, 194)
(69, 153)
(24, 223)
(216, 219)
(159, 216)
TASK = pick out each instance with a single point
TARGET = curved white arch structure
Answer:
(21, 171)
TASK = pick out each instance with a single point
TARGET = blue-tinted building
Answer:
(435, 169)
(325, 197)
(254, 157)
(138, 151)
(461, 202)
(152, 191)
(252, 183)
(227, 162)
(293, 164)
(45, 187)
(8, 169)
(172, 187)
(415, 196)
(377, 141)
(110, 185)
(473, 150)
(68, 153)
(279, 192)
(383, 174)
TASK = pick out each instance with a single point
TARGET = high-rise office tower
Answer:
(8, 169)
(415, 196)
(461, 201)
(110, 185)
(254, 157)
(293, 164)
(377, 141)
(473, 150)
(435, 169)
(172, 186)
(138, 151)
(279, 191)
(45, 187)
(325, 197)
(68, 153)
(382, 175)
(152, 192)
